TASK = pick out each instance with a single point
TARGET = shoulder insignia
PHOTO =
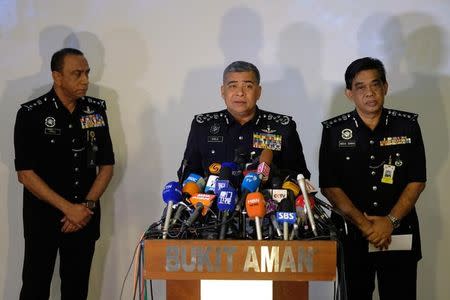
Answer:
(30, 105)
(402, 114)
(336, 120)
(212, 116)
(95, 101)
(273, 117)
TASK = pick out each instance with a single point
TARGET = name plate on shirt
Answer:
(215, 139)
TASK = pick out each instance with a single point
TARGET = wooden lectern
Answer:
(289, 264)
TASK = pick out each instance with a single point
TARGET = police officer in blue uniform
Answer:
(64, 159)
(243, 128)
(372, 168)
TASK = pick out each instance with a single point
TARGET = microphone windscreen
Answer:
(172, 192)
(255, 205)
(250, 182)
(191, 188)
(289, 185)
(205, 199)
(227, 199)
(225, 173)
(266, 156)
(301, 201)
(214, 168)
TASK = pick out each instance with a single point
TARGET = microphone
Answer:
(286, 215)
(301, 183)
(214, 168)
(189, 189)
(226, 203)
(171, 194)
(184, 164)
(271, 208)
(224, 179)
(201, 202)
(211, 184)
(197, 179)
(265, 159)
(256, 209)
(292, 186)
(250, 184)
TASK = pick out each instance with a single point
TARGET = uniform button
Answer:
(375, 204)
(371, 142)
(373, 172)
(397, 154)
(75, 154)
(76, 182)
(52, 141)
(347, 158)
(73, 140)
(372, 157)
(374, 188)
(76, 169)
(76, 197)
(213, 151)
(70, 126)
(241, 137)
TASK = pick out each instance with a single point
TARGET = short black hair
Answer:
(362, 64)
(242, 66)
(57, 61)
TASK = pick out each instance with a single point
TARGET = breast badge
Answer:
(267, 141)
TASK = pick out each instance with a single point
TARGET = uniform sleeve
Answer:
(293, 157)
(417, 167)
(105, 153)
(24, 142)
(192, 153)
(327, 173)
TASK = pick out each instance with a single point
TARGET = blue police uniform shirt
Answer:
(374, 167)
(214, 138)
(64, 149)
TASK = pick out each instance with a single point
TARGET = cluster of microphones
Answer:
(238, 200)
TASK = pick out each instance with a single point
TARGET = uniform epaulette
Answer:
(336, 120)
(32, 104)
(202, 118)
(91, 100)
(277, 118)
(402, 114)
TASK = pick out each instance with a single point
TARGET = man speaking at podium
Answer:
(242, 128)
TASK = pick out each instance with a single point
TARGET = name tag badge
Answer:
(52, 131)
(388, 174)
(215, 139)
(347, 144)
(267, 141)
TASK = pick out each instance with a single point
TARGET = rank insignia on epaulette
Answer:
(267, 141)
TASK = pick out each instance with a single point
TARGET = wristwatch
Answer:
(394, 221)
(90, 204)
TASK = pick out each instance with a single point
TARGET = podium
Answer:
(289, 264)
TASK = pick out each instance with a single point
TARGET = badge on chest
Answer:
(267, 141)
(92, 121)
